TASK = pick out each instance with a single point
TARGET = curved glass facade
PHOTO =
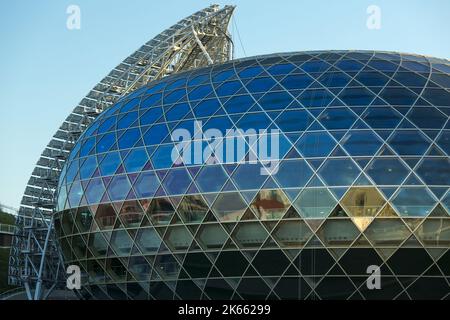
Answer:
(362, 179)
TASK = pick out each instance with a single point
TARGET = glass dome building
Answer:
(362, 179)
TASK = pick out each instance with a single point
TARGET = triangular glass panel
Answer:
(339, 192)
(338, 212)
(413, 180)
(387, 212)
(362, 242)
(388, 192)
(438, 192)
(412, 242)
(413, 223)
(439, 212)
(338, 152)
(435, 151)
(291, 214)
(314, 242)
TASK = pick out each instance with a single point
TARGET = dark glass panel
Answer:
(150, 116)
(435, 171)
(229, 207)
(398, 96)
(177, 112)
(109, 164)
(356, 96)
(337, 118)
(148, 240)
(211, 178)
(129, 138)
(260, 85)
(146, 185)
(275, 100)
(427, 118)
(127, 120)
(293, 174)
(409, 142)
(387, 171)
(135, 160)
(206, 108)
(413, 202)
(239, 104)
(119, 188)
(315, 144)
(339, 172)
(296, 81)
(315, 98)
(293, 120)
(105, 142)
(156, 134)
(160, 211)
(382, 118)
(192, 209)
(361, 143)
(177, 181)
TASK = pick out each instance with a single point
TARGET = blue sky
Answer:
(47, 69)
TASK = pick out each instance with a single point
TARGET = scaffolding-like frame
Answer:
(199, 40)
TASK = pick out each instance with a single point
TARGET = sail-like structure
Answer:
(196, 41)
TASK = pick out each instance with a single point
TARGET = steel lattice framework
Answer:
(198, 40)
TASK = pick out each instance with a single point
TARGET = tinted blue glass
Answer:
(72, 171)
(334, 79)
(255, 121)
(146, 185)
(361, 143)
(250, 72)
(409, 143)
(88, 167)
(177, 181)
(162, 158)
(315, 98)
(317, 144)
(248, 176)
(427, 117)
(211, 178)
(280, 69)
(228, 88)
(444, 141)
(315, 66)
(95, 191)
(260, 84)
(296, 81)
(435, 171)
(87, 146)
(119, 188)
(295, 120)
(239, 104)
(200, 92)
(387, 171)
(178, 112)
(206, 108)
(438, 97)
(413, 202)
(127, 120)
(105, 142)
(135, 160)
(151, 101)
(110, 163)
(383, 65)
(372, 79)
(76, 192)
(398, 96)
(176, 84)
(410, 79)
(349, 65)
(339, 172)
(130, 105)
(293, 174)
(150, 116)
(156, 134)
(356, 96)
(219, 123)
(224, 75)
(129, 138)
(174, 96)
(337, 118)
(106, 125)
(275, 101)
(382, 117)
(200, 79)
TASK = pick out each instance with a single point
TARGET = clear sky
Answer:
(46, 69)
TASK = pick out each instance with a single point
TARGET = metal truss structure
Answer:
(198, 40)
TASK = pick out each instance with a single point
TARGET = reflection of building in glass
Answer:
(363, 180)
